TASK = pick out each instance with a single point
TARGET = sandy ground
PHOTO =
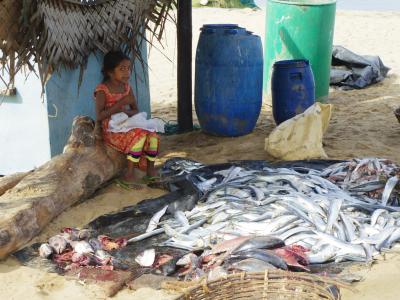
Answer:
(363, 125)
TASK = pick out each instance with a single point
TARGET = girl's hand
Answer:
(124, 101)
(129, 111)
(126, 105)
(130, 106)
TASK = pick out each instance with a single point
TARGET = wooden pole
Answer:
(184, 31)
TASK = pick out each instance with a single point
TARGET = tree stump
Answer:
(40, 196)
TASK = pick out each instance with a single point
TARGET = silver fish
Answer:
(338, 220)
(216, 273)
(189, 242)
(102, 255)
(368, 252)
(343, 246)
(385, 236)
(146, 258)
(191, 245)
(294, 239)
(264, 216)
(377, 239)
(206, 185)
(324, 255)
(375, 215)
(252, 265)
(181, 217)
(333, 213)
(176, 234)
(389, 187)
(339, 231)
(220, 217)
(153, 224)
(284, 236)
(260, 242)
(95, 244)
(258, 192)
(289, 226)
(146, 235)
(319, 223)
(84, 234)
(395, 236)
(296, 210)
(367, 186)
(186, 259)
(233, 172)
(193, 226)
(348, 225)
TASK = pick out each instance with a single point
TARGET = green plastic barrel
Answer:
(300, 29)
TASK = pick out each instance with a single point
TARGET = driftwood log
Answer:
(37, 198)
(8, 182)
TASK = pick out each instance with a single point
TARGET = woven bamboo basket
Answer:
(397, 114)
(271, 285)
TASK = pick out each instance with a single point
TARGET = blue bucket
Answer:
(292, 87)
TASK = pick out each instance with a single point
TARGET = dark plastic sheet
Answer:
(132, 221)
(352, 71)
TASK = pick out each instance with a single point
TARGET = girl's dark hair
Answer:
(111, 60)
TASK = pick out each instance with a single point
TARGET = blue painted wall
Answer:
(24, 133)
(65, 101)
(29, 137)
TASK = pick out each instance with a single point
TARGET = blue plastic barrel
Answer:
(228, 79)
(292, 87)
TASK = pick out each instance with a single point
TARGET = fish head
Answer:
(96, 245)
(45, 250)
(84, 234)
(101, 254)
(83, 247)
(70, 233)
(81, 259)
(58, 243)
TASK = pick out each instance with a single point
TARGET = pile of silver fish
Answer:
(73, 248)
(346, 212)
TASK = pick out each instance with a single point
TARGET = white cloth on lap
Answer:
(121, 122)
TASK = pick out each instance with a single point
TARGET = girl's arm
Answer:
(102, 112)
(133, 108)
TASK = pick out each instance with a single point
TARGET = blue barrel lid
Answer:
(224, 28)
(297, 63)
(220, 26)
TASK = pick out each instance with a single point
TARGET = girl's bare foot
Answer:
(151, 170)
(130, 180)
(152, 173)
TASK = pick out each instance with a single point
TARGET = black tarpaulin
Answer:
(353, 71)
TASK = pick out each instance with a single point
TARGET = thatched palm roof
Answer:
(54, 33)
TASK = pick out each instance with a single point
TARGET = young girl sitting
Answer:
(114, 95)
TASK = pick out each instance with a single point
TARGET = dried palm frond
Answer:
(87, 2)
(10, 40)
(10, 12)
(63, 33)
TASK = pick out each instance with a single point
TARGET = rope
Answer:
(171, 127)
